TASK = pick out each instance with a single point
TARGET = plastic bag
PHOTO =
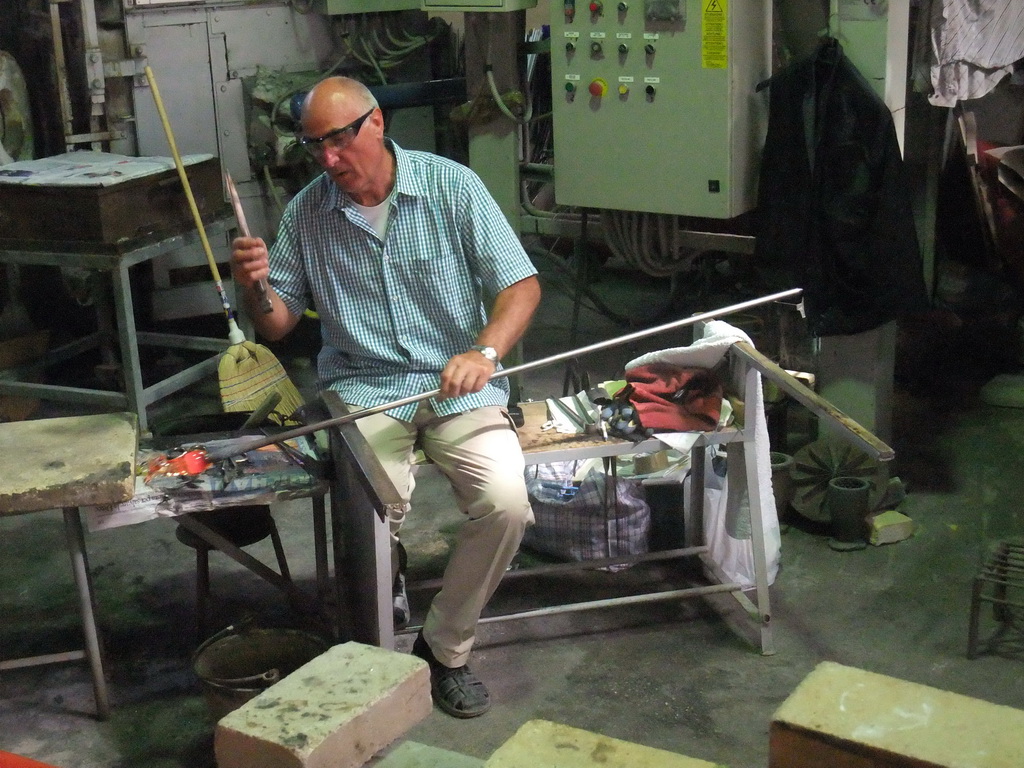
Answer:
(598, 518)
(727, 531)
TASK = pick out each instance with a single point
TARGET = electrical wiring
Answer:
(379, 42)
(533, 210)
(564, 280)
(648, 242)
(493, 88)
(500, 102)
(407, 45)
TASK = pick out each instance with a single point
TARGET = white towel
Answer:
(726, 524)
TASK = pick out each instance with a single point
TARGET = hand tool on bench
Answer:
(266, 306)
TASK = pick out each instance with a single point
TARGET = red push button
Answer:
(598, 87)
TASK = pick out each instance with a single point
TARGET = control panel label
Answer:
(714, 35)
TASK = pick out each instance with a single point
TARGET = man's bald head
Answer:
(337, 95)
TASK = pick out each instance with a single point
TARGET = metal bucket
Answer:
(238, 663)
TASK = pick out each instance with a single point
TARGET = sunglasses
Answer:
(337, 139)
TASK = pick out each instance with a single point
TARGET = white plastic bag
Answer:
(727, 531)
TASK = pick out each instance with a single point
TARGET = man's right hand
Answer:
(250, 261)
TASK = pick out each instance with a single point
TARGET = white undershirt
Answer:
(377, 215)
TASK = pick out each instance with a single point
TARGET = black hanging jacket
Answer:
(834, 210)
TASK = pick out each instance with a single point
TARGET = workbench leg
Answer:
(362, 560)
(758, 547)
(80, 565)
(693, 524)
(128, 341)
(320, 549)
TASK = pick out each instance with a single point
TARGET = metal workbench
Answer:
(361, 495)
(115, 320)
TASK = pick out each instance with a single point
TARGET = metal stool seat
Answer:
(242, 526)
(995, 583)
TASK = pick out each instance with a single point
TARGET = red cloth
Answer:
(669, 398)
(7, 760)
(1007, 221)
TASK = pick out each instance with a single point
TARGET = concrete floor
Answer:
(678, 676)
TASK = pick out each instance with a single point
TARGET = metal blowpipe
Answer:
(228, 447)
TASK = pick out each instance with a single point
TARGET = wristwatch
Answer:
(489, 352)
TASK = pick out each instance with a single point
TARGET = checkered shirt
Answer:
(393, 312)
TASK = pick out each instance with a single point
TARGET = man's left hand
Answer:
(465, 374)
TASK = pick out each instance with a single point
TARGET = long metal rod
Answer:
(48, 658)
(609, 602)
(222, 449)
(557, 568)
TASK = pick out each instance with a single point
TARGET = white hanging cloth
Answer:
(974, 44)
(726, 519)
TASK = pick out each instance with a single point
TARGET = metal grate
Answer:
(999, 583)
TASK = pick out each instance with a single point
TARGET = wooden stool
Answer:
(1002, 573)
(67, 463)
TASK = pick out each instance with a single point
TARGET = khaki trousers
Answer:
(479, 453)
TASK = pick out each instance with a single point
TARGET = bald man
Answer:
(398, 252)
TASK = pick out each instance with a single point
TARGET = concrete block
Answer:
(412, 754)
(337, 711)
(543, 744)
(69, 461)
(889, 527)
(842, 717)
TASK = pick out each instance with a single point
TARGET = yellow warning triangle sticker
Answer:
(713, 7)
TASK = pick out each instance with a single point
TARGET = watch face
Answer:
(489, 352)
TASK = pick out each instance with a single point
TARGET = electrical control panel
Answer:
(655, 106)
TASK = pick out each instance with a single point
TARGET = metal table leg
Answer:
(80, 566)
(127, 339)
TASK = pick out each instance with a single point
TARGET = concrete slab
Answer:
(67, 462)
(412, 754)
(843, 716)
(337, 711)
(543, 744)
